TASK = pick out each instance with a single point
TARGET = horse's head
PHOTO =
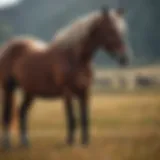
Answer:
(111, 34)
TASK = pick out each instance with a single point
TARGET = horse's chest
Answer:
(81, 78)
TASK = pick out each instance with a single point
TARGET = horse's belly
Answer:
(43, 87)
(43, 91)
(38, 81)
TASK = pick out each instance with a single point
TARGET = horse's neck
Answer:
(88, 51)
(79, 54)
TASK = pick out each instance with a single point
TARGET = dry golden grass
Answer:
(147, 70)
(124, 126)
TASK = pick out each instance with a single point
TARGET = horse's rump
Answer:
(14, 49)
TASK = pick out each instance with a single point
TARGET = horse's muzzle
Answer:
(123, 61)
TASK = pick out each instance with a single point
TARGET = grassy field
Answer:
(124, 126)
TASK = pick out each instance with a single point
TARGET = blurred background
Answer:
(125, 103)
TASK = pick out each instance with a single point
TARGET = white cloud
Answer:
(7, 3)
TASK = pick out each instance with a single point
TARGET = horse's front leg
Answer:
(70, 118)
(84, 113)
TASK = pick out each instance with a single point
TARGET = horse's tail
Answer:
(8, 53)
(4, 54)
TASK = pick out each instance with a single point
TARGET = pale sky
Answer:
(7, 3)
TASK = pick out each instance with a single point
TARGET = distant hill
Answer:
(43, 17)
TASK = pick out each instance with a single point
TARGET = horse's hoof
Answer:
(24, 146)
(85, 143)
(25, 143)
(6, 146)
(70, 142)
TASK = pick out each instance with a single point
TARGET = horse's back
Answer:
(30, 43)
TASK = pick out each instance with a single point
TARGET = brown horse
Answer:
(61, 68)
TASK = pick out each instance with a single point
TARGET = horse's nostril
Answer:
(123, 61)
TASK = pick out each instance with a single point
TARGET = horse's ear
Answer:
(120, 11)
(104, 9)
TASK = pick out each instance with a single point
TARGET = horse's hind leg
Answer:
(8, 89)
(23, 119)
(70, 118)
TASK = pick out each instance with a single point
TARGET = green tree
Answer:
(5, 32)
